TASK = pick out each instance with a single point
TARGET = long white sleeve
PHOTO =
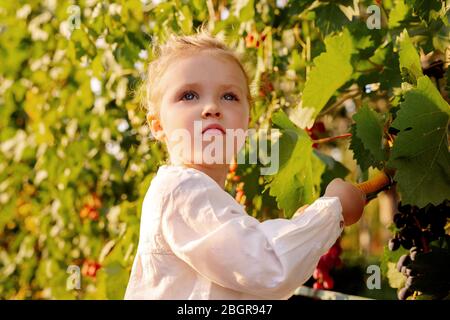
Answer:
(205, 227)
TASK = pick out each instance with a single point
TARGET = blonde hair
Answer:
(177, 46)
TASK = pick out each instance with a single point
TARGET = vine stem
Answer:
(324, 140)
(348, 95)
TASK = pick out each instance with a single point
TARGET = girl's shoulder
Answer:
(170, 178)
(188, 191)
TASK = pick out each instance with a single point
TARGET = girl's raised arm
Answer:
(210, 231)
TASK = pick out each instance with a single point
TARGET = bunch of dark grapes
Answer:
(416, 229)
(326, 263)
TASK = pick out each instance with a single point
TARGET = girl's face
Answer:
(197, 91)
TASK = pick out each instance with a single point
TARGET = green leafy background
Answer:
(76, 156)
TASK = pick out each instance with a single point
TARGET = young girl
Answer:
(196, 241)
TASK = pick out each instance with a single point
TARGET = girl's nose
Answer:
(211, 110)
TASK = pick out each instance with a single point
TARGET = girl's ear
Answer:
(155, 127)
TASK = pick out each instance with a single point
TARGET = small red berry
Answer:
(239, 195)
(249, 41)
(94, 215)
(84, 213)
(317, 285)
(319, 126)
(328, 282)
(317, 274)
(90, 268)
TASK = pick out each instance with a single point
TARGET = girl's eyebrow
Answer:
(198, 85)
(229, 86)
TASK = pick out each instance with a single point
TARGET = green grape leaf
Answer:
(297, 181)
(114, 278)
(330, 18)
(395, 278)
(420, 152)
(362, 156)
(369, 129)
(398, 14)
(333, 169)
(331, 70)
(391, 257)
(409, 58)
(387, 69)
(185, 19)
(424, 8)
(250, 174)
(244, 9)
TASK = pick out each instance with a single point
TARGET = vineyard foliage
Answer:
(77, 156)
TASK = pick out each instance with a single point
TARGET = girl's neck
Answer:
(218, 172)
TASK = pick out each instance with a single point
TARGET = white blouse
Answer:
(197, 242)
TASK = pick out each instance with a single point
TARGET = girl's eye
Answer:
(230, 96)
(189, 95)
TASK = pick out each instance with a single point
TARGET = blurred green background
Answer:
(76, 156)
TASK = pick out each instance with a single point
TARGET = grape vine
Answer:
(422, 232)
(76, 155)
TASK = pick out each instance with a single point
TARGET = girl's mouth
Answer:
(214, 129)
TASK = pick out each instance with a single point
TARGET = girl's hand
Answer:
(352, 199)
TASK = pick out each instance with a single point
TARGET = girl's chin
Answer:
(208, 159)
